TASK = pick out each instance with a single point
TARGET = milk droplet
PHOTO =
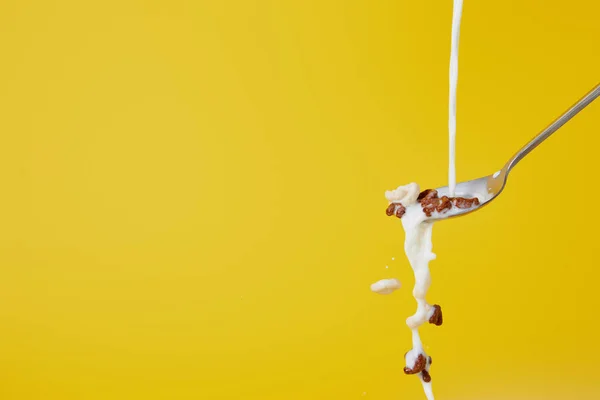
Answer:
(386, 286)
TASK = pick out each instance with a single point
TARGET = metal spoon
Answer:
(489, 187)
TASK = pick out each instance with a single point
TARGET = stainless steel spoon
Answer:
(489, 187)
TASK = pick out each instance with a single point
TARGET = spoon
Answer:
(489, 187)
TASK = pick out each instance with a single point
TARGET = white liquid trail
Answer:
(456, 17)
(418, 247)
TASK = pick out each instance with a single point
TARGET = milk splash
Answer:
(418, 247)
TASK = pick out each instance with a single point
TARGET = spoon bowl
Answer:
(485, 189)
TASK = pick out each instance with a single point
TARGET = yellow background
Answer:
(192, 199)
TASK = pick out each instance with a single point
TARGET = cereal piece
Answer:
(436, 317)
(390, 210)
(430, 360)
(420, 364)
(428, 194)
(430, 202)
(426, 376)
(429, 208)
(400, 210)
(396, 209)
(444, 204)
(463, 203)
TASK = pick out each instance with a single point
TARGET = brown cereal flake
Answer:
(427, 194)
(426, 376)
(390, 210)
(400, 210)
(444, 204)
(464, 203)
(436, 317)
(429, 208)
(420, 364)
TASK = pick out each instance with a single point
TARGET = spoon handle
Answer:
(553, 127)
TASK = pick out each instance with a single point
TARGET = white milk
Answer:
(418, 248)
(456, 17)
